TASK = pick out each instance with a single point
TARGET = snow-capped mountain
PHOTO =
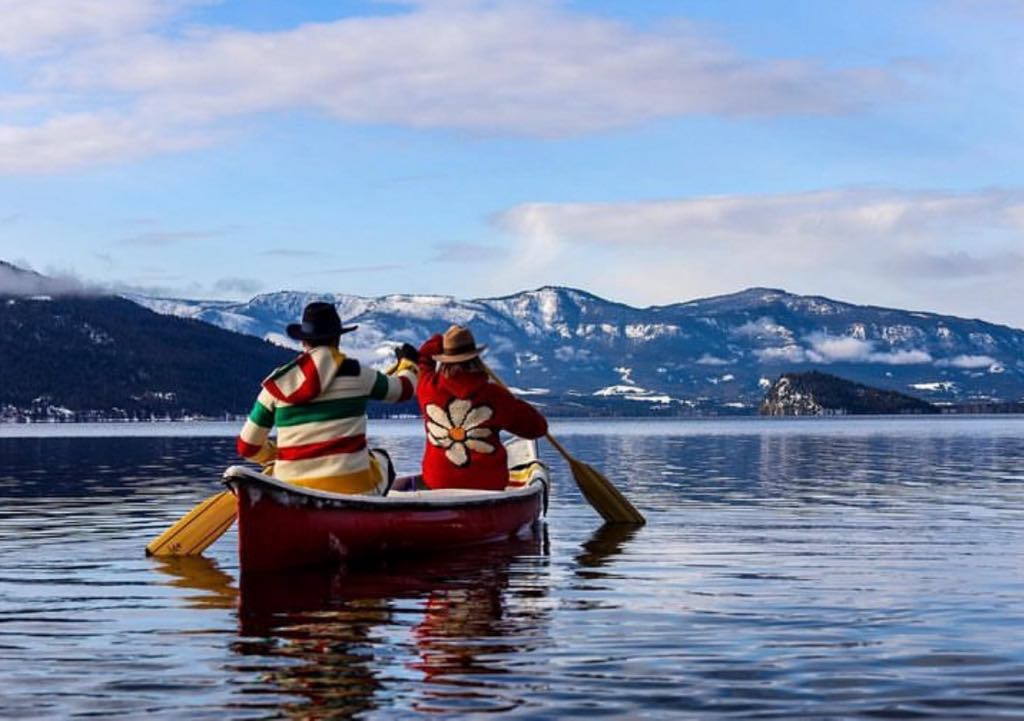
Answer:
(573, 349)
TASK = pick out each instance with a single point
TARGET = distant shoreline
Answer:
(383, 428)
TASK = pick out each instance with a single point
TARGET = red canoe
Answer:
(284, 526)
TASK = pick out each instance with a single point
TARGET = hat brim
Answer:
(294, 331)
(459, 357)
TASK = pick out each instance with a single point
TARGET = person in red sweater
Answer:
(464, 411)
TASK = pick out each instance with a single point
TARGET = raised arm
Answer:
(517, 416)
(399, 384)
(428, 368)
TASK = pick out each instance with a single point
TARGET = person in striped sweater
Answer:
(318, 403)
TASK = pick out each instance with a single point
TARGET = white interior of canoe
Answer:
(445, 496)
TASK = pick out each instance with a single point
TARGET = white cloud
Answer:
(242, 286)
(763, 328)
(967, 362)
(902, 357)
(39, 26)
(518, 67)
(834, 349)
(853, 244)
(846, 349)
(823, 348)
(709, 360)
(166, 238)
(787, 354)
(961, 264)
(19, 281)
(522, 67)
(830, 217)
(70, 141)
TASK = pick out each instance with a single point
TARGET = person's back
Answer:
(464, 412)
(318, 403)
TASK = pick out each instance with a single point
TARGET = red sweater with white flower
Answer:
(463, 415)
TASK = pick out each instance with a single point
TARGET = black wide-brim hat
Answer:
(320, 321)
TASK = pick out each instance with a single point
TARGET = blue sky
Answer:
(650, 152)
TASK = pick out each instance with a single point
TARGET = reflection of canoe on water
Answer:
(267, 600)
(283, 526)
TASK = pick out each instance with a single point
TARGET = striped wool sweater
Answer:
(318, 403)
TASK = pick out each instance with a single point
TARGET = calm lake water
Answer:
(834, 568)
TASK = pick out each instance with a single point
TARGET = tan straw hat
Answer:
(459, 345)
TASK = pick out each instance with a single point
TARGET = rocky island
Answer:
(820, 394)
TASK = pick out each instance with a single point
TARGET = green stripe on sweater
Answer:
(261, 415)
(380, 387)
(318, 412)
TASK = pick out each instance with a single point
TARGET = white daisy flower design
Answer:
(457, 430)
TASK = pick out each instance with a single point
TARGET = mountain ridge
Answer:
(577, 353)
(95, 357)
(688, 304)
(707, 353)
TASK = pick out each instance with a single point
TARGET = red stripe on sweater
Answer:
(245, 449)
(349, 444)
(309, 388)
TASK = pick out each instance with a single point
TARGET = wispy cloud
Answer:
(903, 246)
(521, 67)
(825, 218)
(959, 264)
(467, 253)
(120, 88)
(71, 140)
(968, 362)
(18, 281)
(46, 26)
(832, 349)
(822, 348)
(238, 285)
(292, 253)
(166, 238)
(360, 269)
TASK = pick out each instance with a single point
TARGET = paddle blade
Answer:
(602, 495)
(197, 529)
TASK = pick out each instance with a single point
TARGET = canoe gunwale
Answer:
(236, 476)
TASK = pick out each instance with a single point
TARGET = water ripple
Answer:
(844, 569)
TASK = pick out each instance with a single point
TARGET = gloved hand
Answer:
(407, 352)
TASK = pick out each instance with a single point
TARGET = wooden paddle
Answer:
(600, 493)
(197, 529)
